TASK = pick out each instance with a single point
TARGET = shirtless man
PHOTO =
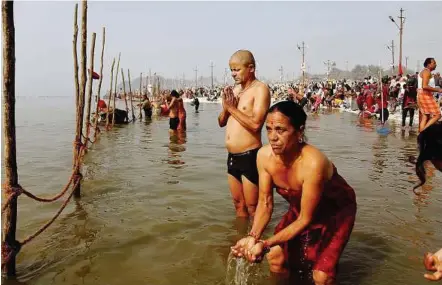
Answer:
(173, 111)
(244, 110)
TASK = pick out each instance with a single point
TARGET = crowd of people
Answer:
(310, 238)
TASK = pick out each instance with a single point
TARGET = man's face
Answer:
(432, 66)
(240, 72)
(281, 134)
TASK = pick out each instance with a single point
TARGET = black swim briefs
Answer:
(173, 123)
(243, 164)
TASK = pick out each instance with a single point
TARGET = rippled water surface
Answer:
(157, 210)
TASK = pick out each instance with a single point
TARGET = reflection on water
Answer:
(156, 209)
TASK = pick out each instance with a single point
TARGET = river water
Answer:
(156, 210)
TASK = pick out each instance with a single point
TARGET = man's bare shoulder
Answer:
(262, 87)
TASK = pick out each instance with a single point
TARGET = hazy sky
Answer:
(173, 38)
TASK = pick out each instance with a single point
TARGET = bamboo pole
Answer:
(99, 84)
(130, 92)
(110, 94)
(11, 173)
(89, 95)
(74, 42)
(81, 100)
(77, 86)
(115, 89)
(124, 89)
(140, 116)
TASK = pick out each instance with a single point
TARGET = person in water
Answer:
(182, 126)
(147, 107)
(243, 114)
(430, 149)
(172, 107)
(322, 206)
(196, 103)
(429, 111)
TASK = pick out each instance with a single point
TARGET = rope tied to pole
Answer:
(9, 250)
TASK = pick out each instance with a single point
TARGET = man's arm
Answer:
(312, 188)
(172, 103)
(224, 115)
(260, 106)
(222, 118)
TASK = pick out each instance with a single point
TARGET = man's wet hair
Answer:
(428, 61)
(430, 148)
(291, 110)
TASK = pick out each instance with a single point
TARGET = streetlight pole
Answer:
(302, 49)
(211, 67)
(401, 31)
(329, 65)
(281, 77)
(196, 77)
(392, 56)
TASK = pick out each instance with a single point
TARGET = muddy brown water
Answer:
(156, 210)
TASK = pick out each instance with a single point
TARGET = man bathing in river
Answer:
(243, 114)
(322, 206)
(173, 111)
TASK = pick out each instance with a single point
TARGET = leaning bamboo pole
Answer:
(110, 94)
(96, 130)
(115, 89)
(130, 92)
(141, 95)
(124, 90)
(89, 95)
(11, 173)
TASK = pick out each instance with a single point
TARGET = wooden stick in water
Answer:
(115, 89)
(141, 94)
(99, 85)
(110, 94)
(74, 42)
(130, 92)
(11, 173)
(124, 90)
(77, 89)
(89, 95)
(81, 99)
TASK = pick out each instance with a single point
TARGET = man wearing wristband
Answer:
(317, 227)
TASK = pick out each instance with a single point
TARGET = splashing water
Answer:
(240, 271)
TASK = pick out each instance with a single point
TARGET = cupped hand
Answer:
(256, 253)
(242, 246)
(433, 262)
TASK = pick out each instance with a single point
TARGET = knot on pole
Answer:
(9, 249)
(11, 193)
(13, 190)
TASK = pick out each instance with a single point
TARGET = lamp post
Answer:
(401, 30)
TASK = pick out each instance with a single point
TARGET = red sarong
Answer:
(320, 246)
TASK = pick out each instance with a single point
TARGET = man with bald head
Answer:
(244, 109)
